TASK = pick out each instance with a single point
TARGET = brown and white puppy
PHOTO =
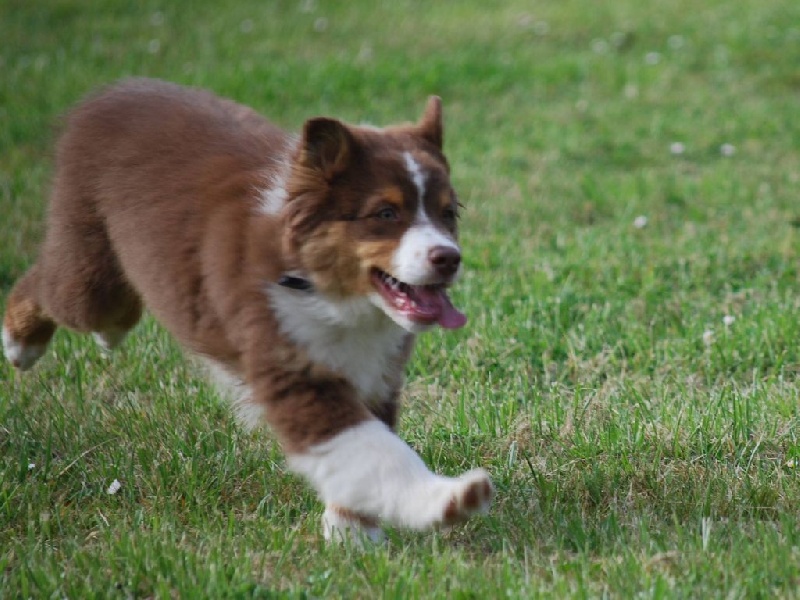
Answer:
(300, 268)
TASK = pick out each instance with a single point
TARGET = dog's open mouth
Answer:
(427, 304)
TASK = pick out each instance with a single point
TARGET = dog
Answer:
(301, 268)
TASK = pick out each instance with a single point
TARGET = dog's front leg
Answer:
(362, 471)
(366, 474)
(341, 525)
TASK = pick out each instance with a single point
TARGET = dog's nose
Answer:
(445, 259)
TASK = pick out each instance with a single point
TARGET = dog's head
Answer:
(370, 213)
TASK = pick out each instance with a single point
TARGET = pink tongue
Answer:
(449, 316)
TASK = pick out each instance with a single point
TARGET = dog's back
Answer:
(142, 170)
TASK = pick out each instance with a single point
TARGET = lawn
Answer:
(629, 375)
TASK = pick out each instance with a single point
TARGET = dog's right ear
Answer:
(430, 125)
(326, 147)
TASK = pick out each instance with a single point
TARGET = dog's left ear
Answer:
(430, 125)
(326, 146)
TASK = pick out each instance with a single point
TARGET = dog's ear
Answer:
(430, 125)
(326, 147)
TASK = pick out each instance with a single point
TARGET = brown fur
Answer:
(155, 203)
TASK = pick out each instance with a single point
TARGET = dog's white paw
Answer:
(471, 494)
(436, 501)
(109, 340)
(342, 526)
(22, 356)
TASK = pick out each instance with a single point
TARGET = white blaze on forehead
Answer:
(410, 262)
(417, 176)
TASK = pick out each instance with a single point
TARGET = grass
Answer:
(642, 444)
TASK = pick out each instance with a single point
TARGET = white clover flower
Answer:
(677, 148)
(321, 25)
(652, 58)
(599, 46)
(114, 487)
(541, 28)
(153, 46)
(640, 222)
(708, 337)
(727, 149)
(676, 42)
(31, 466)
(365, 53)
(728, 320)
(618, 38)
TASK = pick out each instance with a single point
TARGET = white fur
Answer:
(417, 176)
(109, 340)
(369, 470)
(337, 528)
(352, 337)
(238, 393)
(410, 262)
(20, 355)
(272, 198)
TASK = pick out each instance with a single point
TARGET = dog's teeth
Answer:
(394, 283)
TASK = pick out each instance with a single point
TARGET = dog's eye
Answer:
(386, 214)
(449, 214)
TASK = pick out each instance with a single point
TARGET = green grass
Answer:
(635, 453)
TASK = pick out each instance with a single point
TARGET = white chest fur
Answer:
(352, 337)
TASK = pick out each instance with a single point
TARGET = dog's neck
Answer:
(352, 337)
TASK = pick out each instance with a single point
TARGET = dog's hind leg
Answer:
(27, 329)
(77, 283)
(82, 285)
(96, 301)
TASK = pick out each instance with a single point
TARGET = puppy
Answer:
(300, 268)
